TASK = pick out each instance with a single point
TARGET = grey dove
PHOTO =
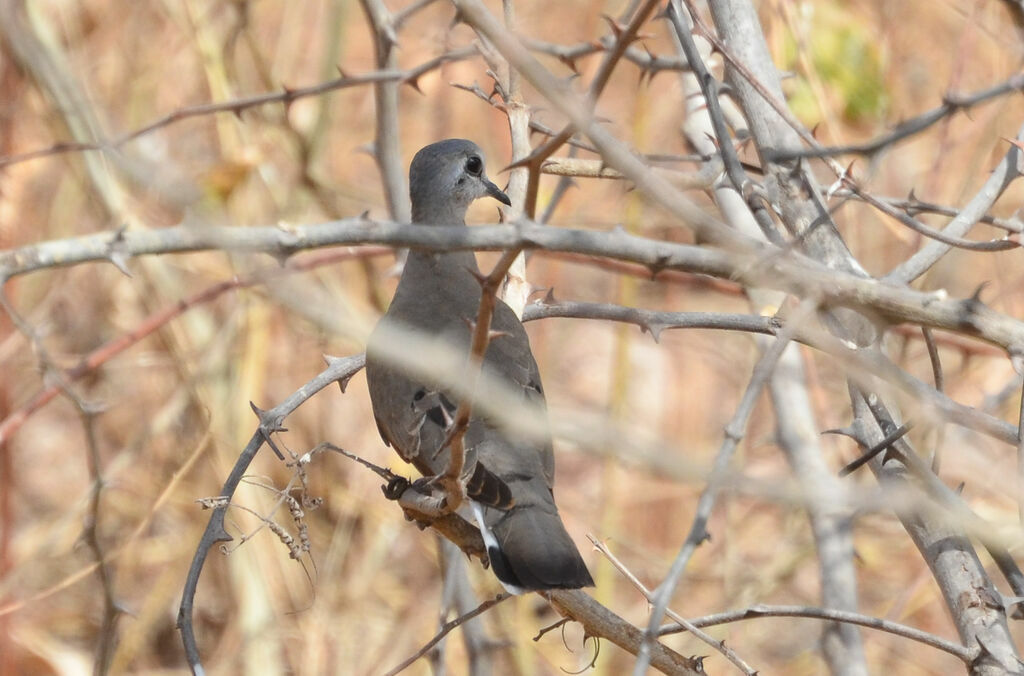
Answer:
(510, 479)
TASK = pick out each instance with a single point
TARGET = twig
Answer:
(882, 445)
(951, 104)
(1001, 244)
(101, 355)
(730, 159)
(1020, 456)
(87, 413)
(831, 615)
(912, 205)
(451, 478)
(108, 629)
(448, 626)
(652, 322)
(140, 528)
(237, 106)
(718, 645)
(386, 144)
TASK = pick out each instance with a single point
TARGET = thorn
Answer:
(911, 209)
(519, 164)
(848, 174)
(388, 34)
(289, 98)
(480, 278)
(714, 45)
(613, 25)
(842, 431)
(341, 72)
(120, 261)
(549, 297)
(960, 488)
(495, 333)
(571, 63)
(984, 655)
(414, 82)
(365, 215)
(658, 265)
(976, 296)
(654, 329)
(281, 257)
(273, 446)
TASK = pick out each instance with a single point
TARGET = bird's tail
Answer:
(530, 550)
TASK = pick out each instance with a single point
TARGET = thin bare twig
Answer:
(106, 352)
(759, 207)
(951, 104)
(831, 615)
(448, 626)
(913, 205)
(719, 646)
(237, 106)
(451, 478)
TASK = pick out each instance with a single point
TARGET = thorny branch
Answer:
(829, 614)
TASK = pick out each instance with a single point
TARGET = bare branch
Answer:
(763, 610)
(447, 628)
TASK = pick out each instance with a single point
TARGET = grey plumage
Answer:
(511, 479)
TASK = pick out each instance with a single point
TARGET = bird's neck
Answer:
(447, 273)
(438, 214)
(442, 267)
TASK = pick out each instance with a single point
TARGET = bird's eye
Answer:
(474, 165)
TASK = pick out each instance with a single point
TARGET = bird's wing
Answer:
(510, 356)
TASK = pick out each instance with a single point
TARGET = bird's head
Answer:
(445, 178)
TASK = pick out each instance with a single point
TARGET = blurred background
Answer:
(165, 419)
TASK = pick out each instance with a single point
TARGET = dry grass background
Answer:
(175, 406)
